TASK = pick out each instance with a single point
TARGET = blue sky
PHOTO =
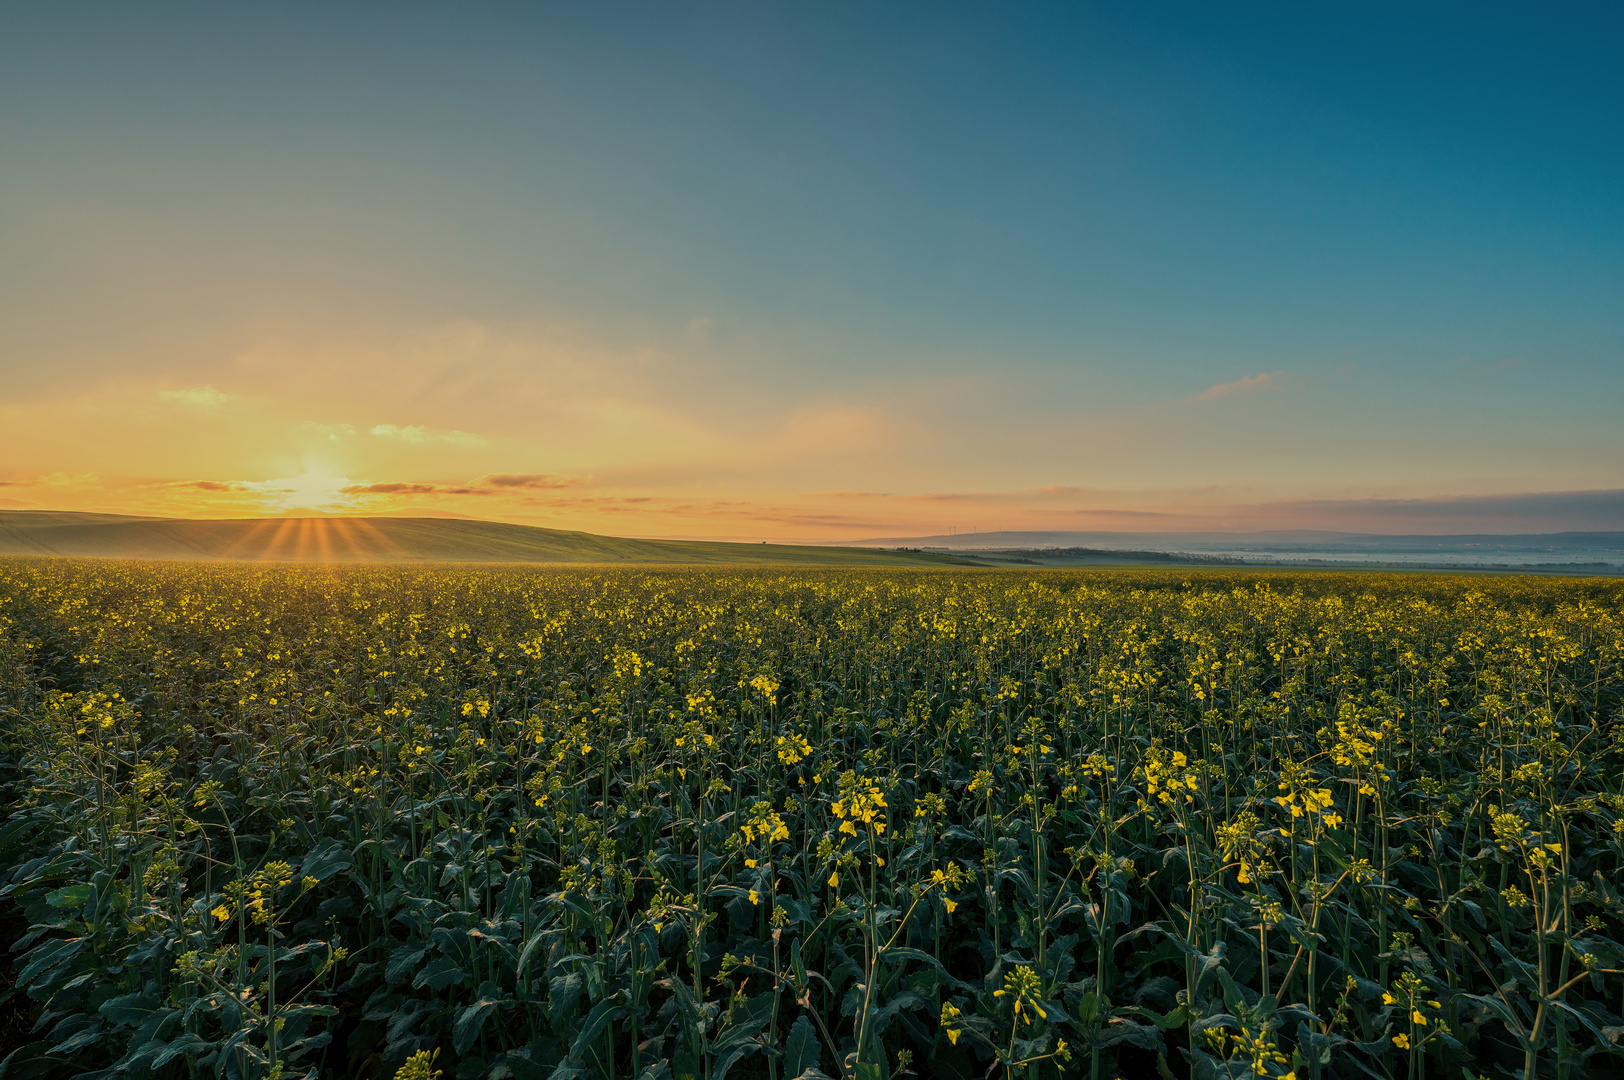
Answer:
(811, 269)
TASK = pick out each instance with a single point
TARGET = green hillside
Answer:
(369, 539)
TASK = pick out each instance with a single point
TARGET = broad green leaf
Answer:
(801, 1050)
(71, 896)
(440, 973)
(471, 1018)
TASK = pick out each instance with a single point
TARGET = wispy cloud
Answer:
(493, 484)
(206, 396)
(69, 480)
(226, 487)
(1263, 381)
(391, 489)
(1108, 512)
(418, 435)
(212, 485)
(543, 481)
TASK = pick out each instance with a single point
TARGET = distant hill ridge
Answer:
(1279, 539)
(394, 539)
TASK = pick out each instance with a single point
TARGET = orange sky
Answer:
(537, 425)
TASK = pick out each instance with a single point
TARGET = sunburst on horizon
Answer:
(310, 490)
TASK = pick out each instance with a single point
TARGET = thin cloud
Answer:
(1107, 512)
(713, 509)
(955, 496)
(540, 481)
(418, 435)
(212, 485)
(922, 496)
(1050, 492)
(1263, 381)
(198, 395)
(67, 480)
(390, 489)
(493, 484)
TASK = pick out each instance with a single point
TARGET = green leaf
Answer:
(78, 1041)
(28, 1062)
(186, 1043)
(749, 1020)
(441, 973)
(801, 1051)
(1475, 911)
(403, 960)
(727, 1059)
(47, 956)
(530, 948)
(565, 992)
(798, 964)
(471, 1018)
(70, 897)
(1497, 1008)
(130, 1010)
(1144, 1036)
(898, 952)
(602, 1014)
(1088, 1007)
(326, 860)
(1177, 1017)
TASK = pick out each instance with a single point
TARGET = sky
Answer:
(817, 271)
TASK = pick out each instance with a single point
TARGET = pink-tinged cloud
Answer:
(1264, 381)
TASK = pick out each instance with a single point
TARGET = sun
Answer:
(310, 490)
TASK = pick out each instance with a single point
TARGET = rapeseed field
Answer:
(276, 822)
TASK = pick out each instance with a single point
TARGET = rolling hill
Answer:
(393, 539)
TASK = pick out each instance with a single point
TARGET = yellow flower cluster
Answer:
(764, 824)
(1317, 803)
(793, 749)
(1025, 990)
(1167, 777)
(860, 802)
